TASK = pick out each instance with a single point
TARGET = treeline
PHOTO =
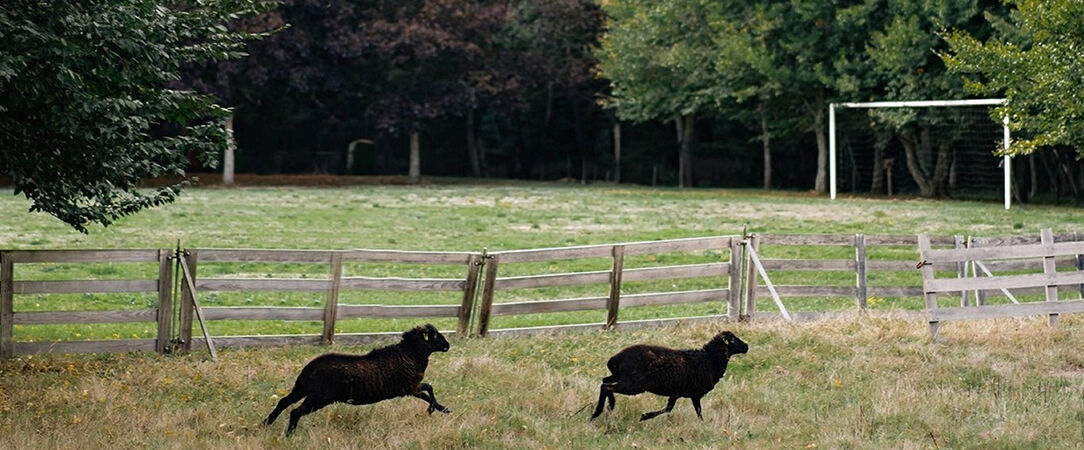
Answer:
(690, 93)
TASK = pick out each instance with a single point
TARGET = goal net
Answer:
(918, 148)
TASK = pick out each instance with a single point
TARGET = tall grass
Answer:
(845, 383)
(849, 382)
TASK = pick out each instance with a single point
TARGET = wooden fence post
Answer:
(7, 309)
(487, 294)
(614, 300)
(332, 307)
(751, 277)
(961, 271)
(470, 288)
(187, 304)
(861, 281)
(927, 275)
(733, 309)
(980, 295)
(1078, 236)
(1049, 269)
(165, 300)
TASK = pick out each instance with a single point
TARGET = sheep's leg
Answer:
(286, 401)
(696, 406)
(669, 407)
(426, 398)
(307, 407)
(604, 391)
(428, 395)
(612, 379)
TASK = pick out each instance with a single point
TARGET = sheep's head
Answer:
(428, 337)
(728, 340)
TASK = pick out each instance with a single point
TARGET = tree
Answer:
(749, 63)
(431, 55)
(556, 39)
(795, 55)
(298, 87)
(1037, 65)
(903, 65)
(84, 114)
(658, 57)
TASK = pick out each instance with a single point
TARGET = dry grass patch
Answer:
(850, 382)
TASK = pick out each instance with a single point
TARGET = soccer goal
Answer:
(929, 148)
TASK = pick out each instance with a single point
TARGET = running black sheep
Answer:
(668, 372)
(384, 373)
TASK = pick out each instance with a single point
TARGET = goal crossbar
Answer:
(915, 104)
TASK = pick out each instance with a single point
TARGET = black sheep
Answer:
(668, 372)
(384, 373)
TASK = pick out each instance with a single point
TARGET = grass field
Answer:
(845, 383)
(849, 382)
(450, 215)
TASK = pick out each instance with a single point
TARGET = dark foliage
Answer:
(384, 373)
(668, 372)
(84, 115)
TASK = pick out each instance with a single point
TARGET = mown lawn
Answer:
(850, 382)
(450, 215)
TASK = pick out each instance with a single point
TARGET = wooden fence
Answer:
(862, 265)
(331, 286)
(727, 272)
(9, 286)
(1015, 253)
(736, 280)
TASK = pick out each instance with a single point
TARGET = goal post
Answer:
(832, 133)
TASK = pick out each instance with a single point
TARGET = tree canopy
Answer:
(658, 58)
(1037, 63)
(96, 96)
(84, 110)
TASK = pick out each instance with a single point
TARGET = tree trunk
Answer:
(1051, 175)
(1067, 170)
(820, 184)
(415, 159)
(617, 152)
(472, 146)
(931, 183)
(686, 128)
(915, 169)
(816, 109)
(521, 146)
(580, 139)
(877, 176)
(227, 159)
(766, 145)
(1034, 189)
(681, 151)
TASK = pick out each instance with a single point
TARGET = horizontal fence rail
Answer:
(332, 286)
(9, 287)
(981, 266)
(1045, 252)
(726, 272)
(861, 265)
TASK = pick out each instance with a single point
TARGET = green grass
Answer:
(845, 383)
(469, 217)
